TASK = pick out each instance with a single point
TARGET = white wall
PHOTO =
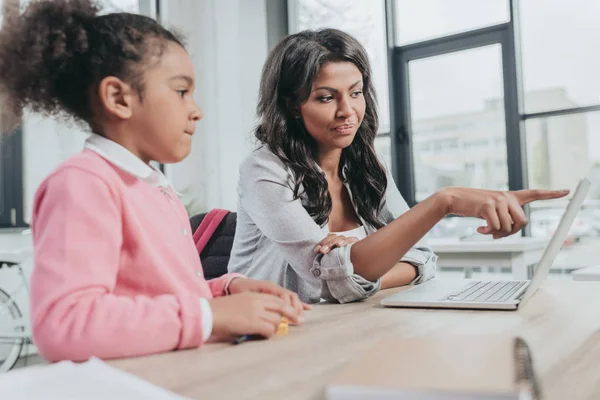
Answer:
(227, 40)
(46, 143)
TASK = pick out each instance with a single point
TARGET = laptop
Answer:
(491, 295)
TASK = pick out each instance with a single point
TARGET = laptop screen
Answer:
(557, 240)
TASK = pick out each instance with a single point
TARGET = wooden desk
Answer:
(561, 324)
(516, 253)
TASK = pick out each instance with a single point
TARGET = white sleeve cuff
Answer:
(207, 319)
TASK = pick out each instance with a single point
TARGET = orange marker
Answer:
(283, 327)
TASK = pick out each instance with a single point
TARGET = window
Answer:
(10, 176)
(562, 147)
(450, 114)
(480, 144)
(130, 6)
(11, 202)
(560, 56)
(365, 20)
(383, 147)
(561, 150)
(108, 6)
(418, 20)
(456, 83)
(423, 146)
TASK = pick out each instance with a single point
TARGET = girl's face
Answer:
(165, 116)
(335, 107)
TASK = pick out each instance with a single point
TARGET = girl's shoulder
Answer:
(86, 165)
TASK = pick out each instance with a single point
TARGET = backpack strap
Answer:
(207, 227)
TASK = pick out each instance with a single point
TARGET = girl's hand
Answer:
(295, 308)
(247, 314)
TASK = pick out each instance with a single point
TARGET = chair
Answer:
(216, 253)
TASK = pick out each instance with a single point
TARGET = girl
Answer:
(316, 173)
(116, 270)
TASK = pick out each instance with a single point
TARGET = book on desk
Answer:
(440, 368)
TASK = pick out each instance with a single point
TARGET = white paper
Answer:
(91, 380)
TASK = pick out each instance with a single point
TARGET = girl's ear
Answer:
(116, 97)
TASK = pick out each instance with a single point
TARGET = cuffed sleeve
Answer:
(424, 260)
(339, 280)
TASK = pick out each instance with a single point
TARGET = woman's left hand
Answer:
(332, 241)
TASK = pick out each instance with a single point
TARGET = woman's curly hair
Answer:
(286, 82)
(55, 53)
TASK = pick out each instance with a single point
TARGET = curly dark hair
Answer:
(57, 51)
(286, 83)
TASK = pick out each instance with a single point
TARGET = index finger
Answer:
(282, 308)
(529, 195)
(297, 304)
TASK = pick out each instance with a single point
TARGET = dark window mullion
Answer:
(11, 157)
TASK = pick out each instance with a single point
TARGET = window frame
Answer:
(11, 159)
(11, 164)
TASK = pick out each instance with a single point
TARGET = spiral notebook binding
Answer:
(525, 379)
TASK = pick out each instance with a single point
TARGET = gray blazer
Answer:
(275, 236)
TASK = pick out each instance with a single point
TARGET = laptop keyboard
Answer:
(486, 292)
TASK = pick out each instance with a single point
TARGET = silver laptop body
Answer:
(491, 295)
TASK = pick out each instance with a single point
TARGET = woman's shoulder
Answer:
(263, 162)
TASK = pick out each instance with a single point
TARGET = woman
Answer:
(316, 172)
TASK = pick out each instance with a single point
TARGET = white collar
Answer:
(126, 160)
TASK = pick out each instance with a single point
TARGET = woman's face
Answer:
(335, 107)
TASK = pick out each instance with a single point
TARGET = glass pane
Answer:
(130, 6)
(560, 151)
(560, 58)
(108, 6)
(458, 130)
(365, 20)
(383, 147)
(418, 20)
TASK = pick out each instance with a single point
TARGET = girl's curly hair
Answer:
(55, 53)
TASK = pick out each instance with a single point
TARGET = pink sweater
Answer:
(116, 270)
